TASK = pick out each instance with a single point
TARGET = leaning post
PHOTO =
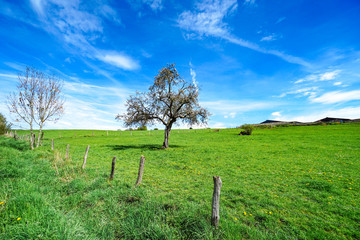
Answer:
(85, 157)
(215, 202)
(141, 171)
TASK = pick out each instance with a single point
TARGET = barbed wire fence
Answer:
(204, 183)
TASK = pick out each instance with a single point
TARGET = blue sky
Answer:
(252, 59)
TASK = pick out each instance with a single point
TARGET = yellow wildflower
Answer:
(235, 219)
(269, 212)
(245, 213)
(18, 218)
(2, 202)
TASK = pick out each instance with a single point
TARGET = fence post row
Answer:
(112, 168)
(85, 157)
(141, 170)
(215, 202)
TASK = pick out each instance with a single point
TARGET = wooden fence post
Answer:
(107, 132)
(93, 132)
(141, 170)
(67, 152)
(85, 157)
(59, 134)
(52, 144)
(112, 168)
(215, 202)
(41, 139)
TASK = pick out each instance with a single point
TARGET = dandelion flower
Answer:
(235, 219)
(269, 212)
(18, 218)
(2, 202)
(245, 213)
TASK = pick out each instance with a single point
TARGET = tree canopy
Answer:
(169, 99)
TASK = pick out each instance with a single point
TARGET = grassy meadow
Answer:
(298, 182)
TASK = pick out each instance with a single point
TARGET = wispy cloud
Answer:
(119, 60)
(79, 26)
(155, 5)
(268, 38)
(280, 20)
(226, 106)
(347, 112)
(308, 91)
(193, 75)
(320, 77)
(208, 20)
(337, 97)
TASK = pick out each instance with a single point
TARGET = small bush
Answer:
(142, 128)
(247, 129)
(4, 125)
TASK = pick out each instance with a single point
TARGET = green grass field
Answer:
(279, 183)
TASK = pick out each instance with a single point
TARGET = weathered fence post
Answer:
(93, 132)
(215, 202)
(141, 170)
(59, 134)
(85, 157)
(33, 137)
(52, 144)
(112, 168)
(41, 139)
(67, 152)
(107, 132)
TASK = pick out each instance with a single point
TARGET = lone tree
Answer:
(168, 100)
(37, 99)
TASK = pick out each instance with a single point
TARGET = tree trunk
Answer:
(166, 137)
(31, 138)
(39, 137)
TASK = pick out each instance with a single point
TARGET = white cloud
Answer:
(329, 75)
(226, 106)
(303, 91)
(232, 114)
(207, 20)
(9, 75)
(319, 77)
(155, 5)
(337, 97)
(271, 37)
(276, 114)
(119, 60)
(193, 75)
(337, 83)
(78, 26)
(347, 112)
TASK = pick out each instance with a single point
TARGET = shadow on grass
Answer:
(143, 146)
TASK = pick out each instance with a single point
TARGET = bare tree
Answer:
(38, 99)
(168, 100)
(49, 102)
(22, 103)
